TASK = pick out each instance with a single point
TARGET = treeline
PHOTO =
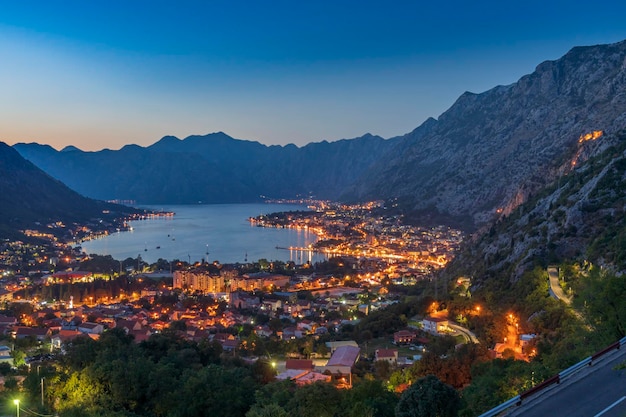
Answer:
(169, 376)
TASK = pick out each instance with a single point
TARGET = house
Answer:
(527, 342)
(91, 328)
(40, 334)
(303, 377)
(7, 321)
(435, 325)
(343, 359)
(229, 345)
(292, 332)
(307, 325)
(63, 336)
(140, 335)
(387, 355)
(263, 331)
(340, 365)
(129, 325)
(242, 301)
(271, 304)
(404, 337)
(5, 355)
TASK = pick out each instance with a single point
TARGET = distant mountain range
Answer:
(31, 199)
(211, 169)
(481, 159)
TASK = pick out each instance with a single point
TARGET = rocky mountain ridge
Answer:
(483, 157)
(214, 168)
(490, 151)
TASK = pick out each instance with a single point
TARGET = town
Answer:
(312, 322)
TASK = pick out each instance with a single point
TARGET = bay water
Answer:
(212, 232)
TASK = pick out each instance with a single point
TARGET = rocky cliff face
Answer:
(490, 151)
(580, 216)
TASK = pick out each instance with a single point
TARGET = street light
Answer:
(17, 406)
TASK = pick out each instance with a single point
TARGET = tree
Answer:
(315, 400)
(369, 398)
(429, 397)
(270, 410)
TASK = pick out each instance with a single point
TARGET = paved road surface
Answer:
(555, 288)
(598, 390)
(469, 336)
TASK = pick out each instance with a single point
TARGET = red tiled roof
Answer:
(386, 353)
(299, 364)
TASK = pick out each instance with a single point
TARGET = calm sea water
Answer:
(222, 230)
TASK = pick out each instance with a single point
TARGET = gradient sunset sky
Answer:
(102, 74)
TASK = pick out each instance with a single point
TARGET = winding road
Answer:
(555, 288)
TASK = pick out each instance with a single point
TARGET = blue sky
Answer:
(105, 74)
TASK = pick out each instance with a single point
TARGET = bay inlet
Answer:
(210, 232)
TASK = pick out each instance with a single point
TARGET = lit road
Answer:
(469, 336)
(599, 390)
(555, 288)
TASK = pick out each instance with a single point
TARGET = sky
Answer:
(103, 74)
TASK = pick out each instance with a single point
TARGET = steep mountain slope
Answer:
(31, 199)
(490, 151)
(213, 169)
(483, 157)
(581, 216)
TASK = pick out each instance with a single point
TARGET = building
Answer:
(37, 333)
(91, 328)
(258, 281)
(435, 325)
(340, 365)
(404, 337)
(5, 355)
(197, 280)
(387, 355)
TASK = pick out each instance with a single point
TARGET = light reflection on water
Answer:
(222, 230)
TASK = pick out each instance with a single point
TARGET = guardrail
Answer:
(556, 379)
(497, 410)
(574, 368)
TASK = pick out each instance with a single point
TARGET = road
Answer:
(555, 288)
(469, 336)
(599, 390)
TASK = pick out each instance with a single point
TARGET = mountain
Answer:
(31, 199)
(479, 160)
(580, 216)
(214, 168)
(489, 152)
